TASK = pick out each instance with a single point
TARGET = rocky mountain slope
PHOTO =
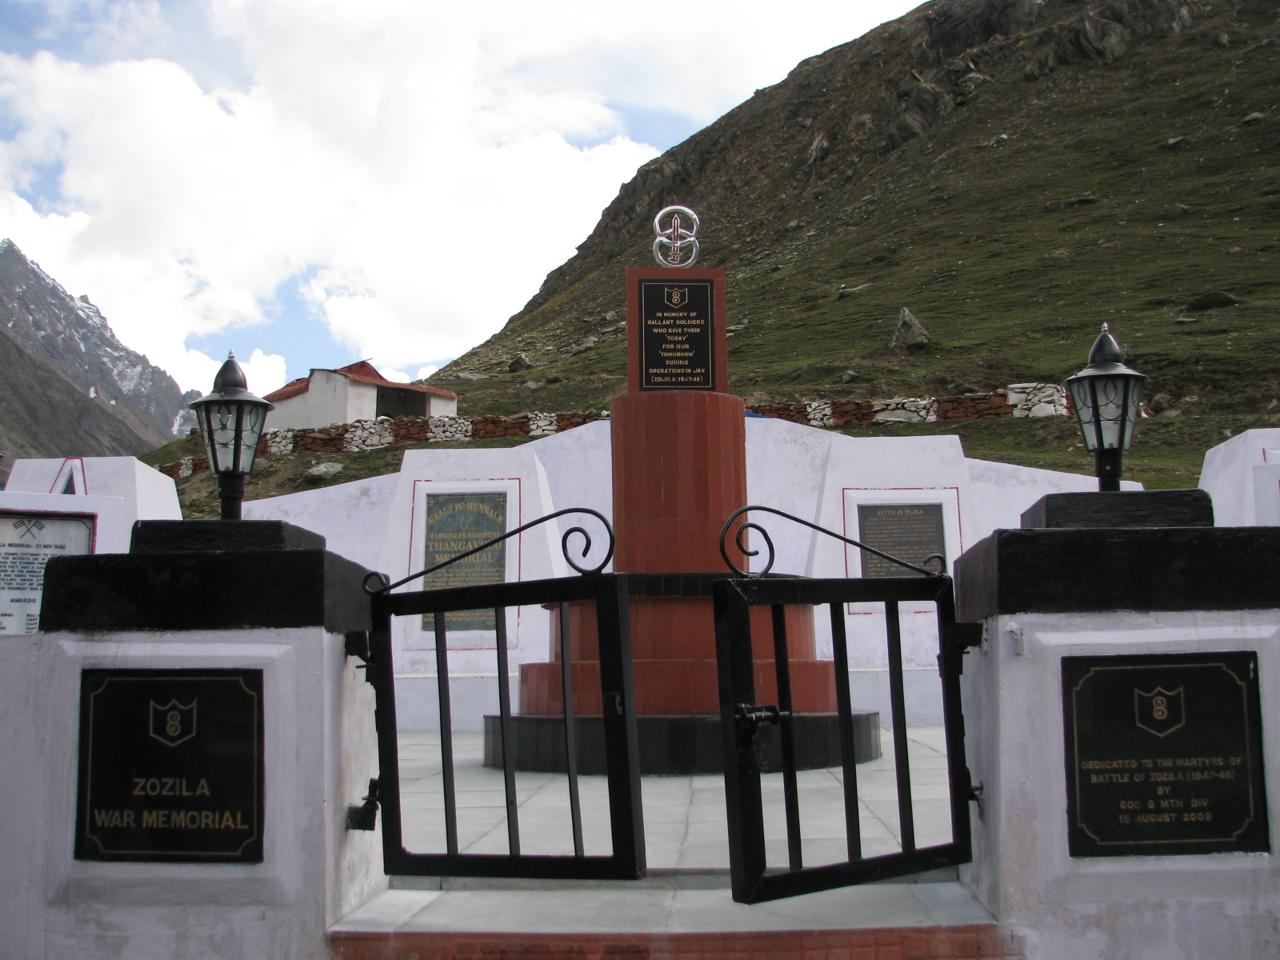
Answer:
(67, 385)
(1015, 172)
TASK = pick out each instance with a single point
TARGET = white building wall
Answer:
(324, 402)
(361, 403)
(441, 406)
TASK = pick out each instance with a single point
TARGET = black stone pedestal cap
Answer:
(1071, 570)
(1125, 508)
(183, 536)
(207, 575)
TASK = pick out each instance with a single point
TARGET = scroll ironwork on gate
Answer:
(752, 878)
(605, 596)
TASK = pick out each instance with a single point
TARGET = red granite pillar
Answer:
(679, 470)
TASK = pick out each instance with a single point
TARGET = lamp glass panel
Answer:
(1111, 409)
(1082, 400)
(250, 432)
(1132, 401)
(220, 436)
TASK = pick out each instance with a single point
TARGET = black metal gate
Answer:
(753, 878)
(741, 718)
(607, 597)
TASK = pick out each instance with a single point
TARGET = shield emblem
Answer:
(173, 723)
(1159, 711)
(675, 296)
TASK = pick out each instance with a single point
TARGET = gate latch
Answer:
(364, 816)
(750, 717)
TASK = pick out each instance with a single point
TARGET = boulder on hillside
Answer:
(1210, 301)
(909, 334)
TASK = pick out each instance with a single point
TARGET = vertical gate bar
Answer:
(621, 750)
(950, 660)
(570, 731)
(844, 713)
(446, 736)
(901, 762)
(382, 671)
(790, 790)
(741, 776)
(508, 739)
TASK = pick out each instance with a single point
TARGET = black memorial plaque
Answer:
(909, 531)
(1164, 754)
(170, 766)
(676, 339)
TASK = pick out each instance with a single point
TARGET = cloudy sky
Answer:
(312, 182)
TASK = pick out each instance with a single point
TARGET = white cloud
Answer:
(419, 158)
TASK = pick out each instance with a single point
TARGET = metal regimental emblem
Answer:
(173, 723)
(677, 242)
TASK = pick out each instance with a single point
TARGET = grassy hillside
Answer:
(1034, 204)
(1015, 174)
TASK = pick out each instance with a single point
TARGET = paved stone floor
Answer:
(684, 816)
(687, 890)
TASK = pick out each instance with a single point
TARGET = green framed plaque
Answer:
(1164, 755)
(170, 766)
(456, 523)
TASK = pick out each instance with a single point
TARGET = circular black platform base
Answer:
(679, 745)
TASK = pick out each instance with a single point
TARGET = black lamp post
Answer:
(1106, 395)
(231, 419)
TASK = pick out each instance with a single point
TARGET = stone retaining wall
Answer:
(1016, 400)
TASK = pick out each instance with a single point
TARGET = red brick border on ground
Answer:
(974, 942)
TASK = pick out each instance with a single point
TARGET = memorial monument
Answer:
(679, 470)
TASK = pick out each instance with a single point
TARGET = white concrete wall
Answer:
(1103, 908)
(1242, 476)
(352, 517)
(144, 493)
(319, 755)
(1002, 492)
(815, 474)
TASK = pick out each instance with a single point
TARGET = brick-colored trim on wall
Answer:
(1017, 400)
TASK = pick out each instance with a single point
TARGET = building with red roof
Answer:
(354, 392)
